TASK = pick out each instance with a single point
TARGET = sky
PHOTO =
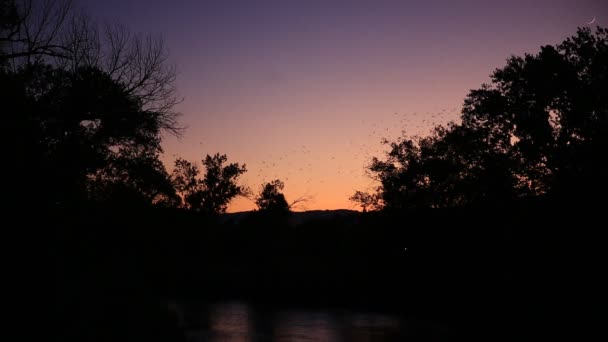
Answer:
(304, 91)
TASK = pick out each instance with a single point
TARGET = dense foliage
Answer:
(538, 130)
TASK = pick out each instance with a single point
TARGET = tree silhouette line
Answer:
(539, 130)
(87, 105)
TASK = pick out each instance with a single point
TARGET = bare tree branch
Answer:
(51, 31)
(299, 202)
(35, 32)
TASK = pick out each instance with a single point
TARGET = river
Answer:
(237, 321)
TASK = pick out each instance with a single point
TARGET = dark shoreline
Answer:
(514, 270)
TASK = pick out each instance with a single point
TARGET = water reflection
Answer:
(239, 322)
(230, 322)
(305, 326)
(374, 327)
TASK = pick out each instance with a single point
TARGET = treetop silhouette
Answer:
(212, 193)
(271, 199)
(87, 106)
(539, 129)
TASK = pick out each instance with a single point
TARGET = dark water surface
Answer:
(235, 321)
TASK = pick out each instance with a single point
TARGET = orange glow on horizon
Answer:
(305, 93)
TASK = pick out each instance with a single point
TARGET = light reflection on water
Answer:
(230, 322)
(305, 326)
(239, 322)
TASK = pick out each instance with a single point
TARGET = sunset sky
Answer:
(304, 91)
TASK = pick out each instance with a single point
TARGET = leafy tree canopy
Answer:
(271, 199)
(539, 129)
(85, 107)
(212, 193)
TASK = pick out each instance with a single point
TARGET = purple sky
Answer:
(303, 90)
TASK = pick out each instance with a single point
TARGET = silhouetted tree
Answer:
(79, 128)
(140, 63)
(367, 201)
(52, 32)
(185, 178)
(134, 175)
(32, 30)
(85, 113)
(271, 199)
(539, 128)
(550, 112)
(212, 193)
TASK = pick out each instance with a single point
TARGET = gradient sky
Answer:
(304, 91)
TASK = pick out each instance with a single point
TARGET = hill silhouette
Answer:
(296, 218)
